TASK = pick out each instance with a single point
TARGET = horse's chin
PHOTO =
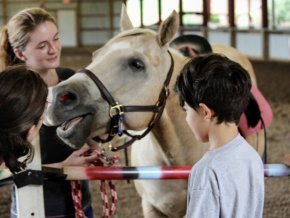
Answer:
(76, 131)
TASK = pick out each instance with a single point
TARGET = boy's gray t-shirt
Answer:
(227, 182)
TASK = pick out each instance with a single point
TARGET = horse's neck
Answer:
(171, 132)
(168, 140)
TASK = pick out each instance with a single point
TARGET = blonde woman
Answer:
(31, 37)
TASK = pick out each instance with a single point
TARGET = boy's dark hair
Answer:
(220, 83)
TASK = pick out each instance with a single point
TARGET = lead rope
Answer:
(108, 210)
(77, 198)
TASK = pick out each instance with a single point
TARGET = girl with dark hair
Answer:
(22, 101)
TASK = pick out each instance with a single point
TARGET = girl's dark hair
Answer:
(22, 102)
(220, 83)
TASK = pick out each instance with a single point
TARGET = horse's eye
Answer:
(136, 64)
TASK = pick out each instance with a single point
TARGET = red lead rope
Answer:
(108, 210)
(77, 198)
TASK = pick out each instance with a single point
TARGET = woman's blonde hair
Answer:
(16, 33)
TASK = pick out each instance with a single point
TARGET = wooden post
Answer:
(30, 203)
(232, 24)
(141, 13)
(265, 32)
(159, 12)
(78, 12)
(181, 29)
(206, 17)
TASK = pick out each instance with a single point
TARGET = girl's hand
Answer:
(81, 157)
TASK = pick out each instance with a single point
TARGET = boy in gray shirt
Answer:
(228, 181)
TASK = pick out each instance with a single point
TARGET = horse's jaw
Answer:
(76, 131)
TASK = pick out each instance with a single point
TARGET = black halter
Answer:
(117, 110)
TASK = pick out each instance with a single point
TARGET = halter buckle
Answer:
(116, 110)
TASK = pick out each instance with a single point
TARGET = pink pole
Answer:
(150, 172)
(145, 172)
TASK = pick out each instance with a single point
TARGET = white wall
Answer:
(250, 44)
(279, 46)
(67, 27)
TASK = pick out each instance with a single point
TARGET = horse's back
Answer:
(236, 56)
(256, 140)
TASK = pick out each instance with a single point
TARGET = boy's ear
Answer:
(19, 54)
(206, 111)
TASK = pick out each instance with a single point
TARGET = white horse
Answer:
(125, 87)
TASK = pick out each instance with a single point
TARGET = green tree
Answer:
(282, 8)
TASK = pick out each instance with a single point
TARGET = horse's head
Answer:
(129, 70)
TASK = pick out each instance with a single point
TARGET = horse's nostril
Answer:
(67, 97)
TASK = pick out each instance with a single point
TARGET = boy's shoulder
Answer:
(237, 151)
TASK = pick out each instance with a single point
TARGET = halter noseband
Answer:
(117, 110)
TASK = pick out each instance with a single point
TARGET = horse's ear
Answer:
(125, 22)
(168, 28)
